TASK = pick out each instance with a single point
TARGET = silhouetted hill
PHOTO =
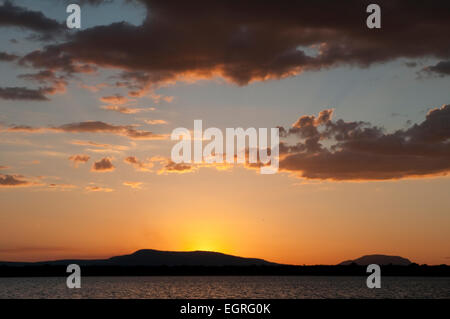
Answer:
(150, 257)
(379, 260)
(202, 263)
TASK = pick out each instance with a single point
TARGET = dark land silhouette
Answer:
(149, 262)
(151, 257)
(379, 260)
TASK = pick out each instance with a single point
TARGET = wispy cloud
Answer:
(95, 189)
(144, 166)
(13, 181)
(156, 122)
(129, 131)
(79, 159)
(135, 185)
(125, 109)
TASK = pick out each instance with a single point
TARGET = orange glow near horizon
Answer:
(323, 223)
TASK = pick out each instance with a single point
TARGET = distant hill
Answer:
(379, 260)
(150, 257)
(149, 262)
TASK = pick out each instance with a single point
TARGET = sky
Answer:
(86, 116)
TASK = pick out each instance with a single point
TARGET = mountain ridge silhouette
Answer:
(152, 257)
(379, 260)
(150, 262)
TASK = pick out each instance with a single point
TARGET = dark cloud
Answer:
(94, 126)
(306, 127)
(52, 84)
(60, 187)
(435, 129)
(55, 84)
(4, 56)
(131, 160)
(15, 16)
(24, 129)
(94, 188)
(102, 127)
(250, 40)
(411, 64)
(138, 164)
(91, 2)
(23, 93)
(79, 158)
(104, 165)
(172, 167)
(442, 68)
(340, 150)
(54, 61)
(13, 181)
(90, 127)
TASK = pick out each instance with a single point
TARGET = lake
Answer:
(242, 287)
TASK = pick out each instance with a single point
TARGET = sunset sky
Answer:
(86, 117)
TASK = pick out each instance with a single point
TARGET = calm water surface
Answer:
(225, 287)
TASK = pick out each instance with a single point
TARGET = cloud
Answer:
(61, 187)
(53, 84)
(340, 150)
(125, 109)
(100, 147)
(54, 62)
(117, 104)
(23, 129)
(57, 84)
(115, 99)
(247, 41)
(141, 83)
(15, 16)
(156, 122)
(135, 185)
(322, 148)
(411, 64)
(22, 93)
(90, 127)
(6, 57)
(79, 158)
(139, 165)
(14, 181)
(179, 168)
(104, 165)
(93, 88)
(91, 2)
(94, 188)
(101, 127)
(167, 166)
(442, 68)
